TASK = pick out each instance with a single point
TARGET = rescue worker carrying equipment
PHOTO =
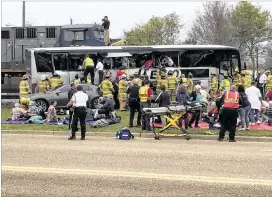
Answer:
(213, 86)
(56, 80)
(162, 81)
(24, 87)
(123, 93)
(190, 83)
(77, 79)
(225, 84)
(172, 85)
(43, 85)
(268, 86)
(106, 86)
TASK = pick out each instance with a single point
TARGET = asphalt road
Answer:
(42, 166)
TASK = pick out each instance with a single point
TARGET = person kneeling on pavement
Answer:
(107, 108)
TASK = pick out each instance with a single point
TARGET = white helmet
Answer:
(43, 77)
(123, 76)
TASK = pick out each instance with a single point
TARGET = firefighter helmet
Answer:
(25, 77)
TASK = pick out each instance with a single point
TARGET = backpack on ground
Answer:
(124, 134)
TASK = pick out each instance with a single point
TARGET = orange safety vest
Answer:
(231, 100)
(143, 94)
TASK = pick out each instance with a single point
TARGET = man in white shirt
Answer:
(255, 98)
(262, 81)
(79, 101)
(99, 68)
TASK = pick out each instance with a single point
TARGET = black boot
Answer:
(72, 138)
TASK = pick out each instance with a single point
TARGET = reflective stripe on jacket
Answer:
(143, 94)
(231, 100)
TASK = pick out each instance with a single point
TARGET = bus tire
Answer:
(42, 103)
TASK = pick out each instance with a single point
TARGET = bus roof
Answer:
(132, 48)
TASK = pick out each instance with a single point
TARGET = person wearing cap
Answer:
(225, 84)
(134, 103)
(172, 85)
(236, 78)
(88, 64)
(213, 86)
(106, 86)
(24, 87)
(77, 80)
(122, 85)
(268, 86)
(79, 102)
(106, 26)
(145, 95)
(43, 85)
(230, 102)
(17, 112)
(190, 83)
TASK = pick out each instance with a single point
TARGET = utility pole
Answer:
(71, 21)
(23, 14)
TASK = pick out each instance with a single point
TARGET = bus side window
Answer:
(43, 62)
(61, 61)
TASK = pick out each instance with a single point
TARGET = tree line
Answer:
(245, 26)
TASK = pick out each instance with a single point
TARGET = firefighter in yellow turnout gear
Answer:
(136, 77)
(162, 81)
(190, 83)
(213, 86)
(123, 84)
(184, 82)
(172, 85)
(43, 85)
(225, 84)
(24, 87)
(56, 80)
(77, 79)
(237, 79)
(268, 86)
(248, 79)
(106, 86)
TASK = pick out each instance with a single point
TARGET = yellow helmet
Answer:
(163, 74)
(226, 75)
(236, 70)
(213, 73)
(24, 101)
(268, 72)
(190, 74)
(107, 76)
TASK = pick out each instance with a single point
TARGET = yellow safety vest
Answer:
(237, 80)
(89, 81)
(77, 81)
(106, 87)
(164, 82)
(214, 84)
(269, 81)
(184, 82)
(190, 85)
(43, 86)
(143, 93)
(122, 86)
(172, 83)
(88, 62)
(24, 88)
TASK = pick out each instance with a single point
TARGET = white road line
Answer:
(170, 177)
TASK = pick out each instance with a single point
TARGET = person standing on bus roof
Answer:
(89, 68)
(99, 68)
(106, 26)
(172, 85)
(225, 84)
(106, 86)
(213, 86)
(43, 85)
(122, 85)
(190, 83)
(24, 87)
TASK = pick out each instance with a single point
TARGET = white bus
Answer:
(200, 60)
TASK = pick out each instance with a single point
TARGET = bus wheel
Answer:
(42, 104)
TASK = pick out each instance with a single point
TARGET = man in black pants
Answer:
(70, 94)
(229, 115)
(134, 103)
(79, 101)
(89, 68)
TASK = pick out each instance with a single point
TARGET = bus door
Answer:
(61, 66)
(76, 65)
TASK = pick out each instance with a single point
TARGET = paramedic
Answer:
(228, 117)
(145, 94)
(134, 103)
(107, 107)
(79, 101)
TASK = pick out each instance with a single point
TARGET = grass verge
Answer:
(5, 114)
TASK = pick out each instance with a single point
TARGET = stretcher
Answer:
(172, 114)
